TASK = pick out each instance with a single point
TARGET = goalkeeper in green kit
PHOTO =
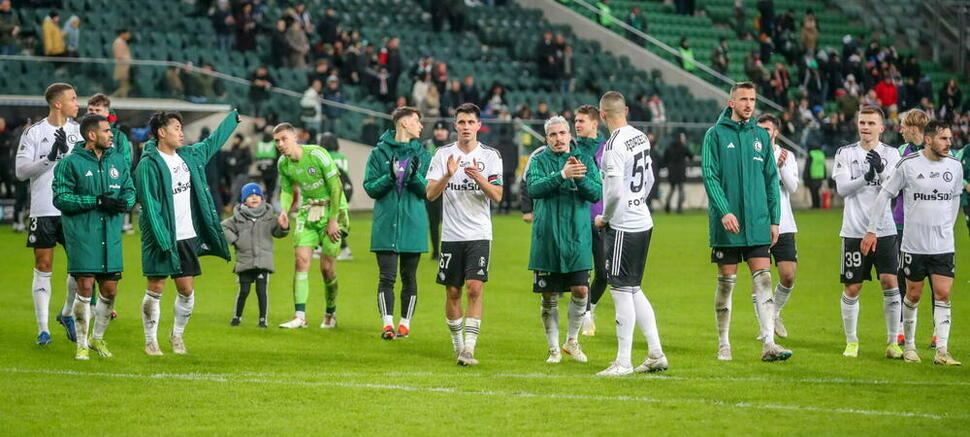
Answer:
(322, 215)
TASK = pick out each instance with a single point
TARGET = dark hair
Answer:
(590, 111)
(122, 30)
(89, 123)
(742, 86)
(54, 14)
(934, 127)
(770, 118)
(871, 109)
(99, 99)
(161, 119)
(404, 111)
(469, 108)
(55, 90)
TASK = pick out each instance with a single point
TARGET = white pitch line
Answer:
(653, 377)
(221, 378)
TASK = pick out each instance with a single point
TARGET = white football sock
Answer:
(388, 320)
(406, 322)
(456, 326)
(781, 297)
(550, 319)
(754, 304)
(82, 313)
(592, 308)
(722, 306)
(42, 299)
(150, 313)
(575, 314)
(909, 322)
(301, 315)
(850, 317)
(183, 310)
(68, 307)
(891, 309)
(941, 319)
(647, 321)
(766, 305)
(472, 325)
(625, 323)
(102, 315)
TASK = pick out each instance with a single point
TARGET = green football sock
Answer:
(301, 289)
(330, 288)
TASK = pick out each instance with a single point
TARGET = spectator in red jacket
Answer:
(887, 93)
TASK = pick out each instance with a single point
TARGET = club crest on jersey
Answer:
(71, 139)
(481, 261)
(947, 176)
(113, 173)
(757, 145)
(312, 171)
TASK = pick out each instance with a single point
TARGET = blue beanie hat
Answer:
(250, 189)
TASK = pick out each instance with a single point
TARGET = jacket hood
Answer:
(725, 120)
(150, 147)
(388, 143)
(79, 148)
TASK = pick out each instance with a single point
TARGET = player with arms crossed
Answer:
(469, 176)
(93, 189)
(784, 251)
(179, 221)
(627, 225)
(562, 183)
(322, 209)
(42, 145)
(860, 170)
(741, 181)
(931, 182)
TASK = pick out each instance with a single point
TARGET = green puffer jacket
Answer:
(561, 233)
(400, 218)
(153, 185)
(740, 177)
(92, 237)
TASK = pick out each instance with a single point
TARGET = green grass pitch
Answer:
(251, 381)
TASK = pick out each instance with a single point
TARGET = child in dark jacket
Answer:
(251, 230)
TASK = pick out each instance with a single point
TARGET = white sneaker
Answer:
(589, 325)
(178, 345)
(616, 369)
(554, 356)
(467, 358)
(572, 349)
(651, 365)
(724, 352)
(329, 321)
(345, 255)
(151, 348)
(297, 322)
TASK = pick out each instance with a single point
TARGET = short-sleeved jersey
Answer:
(931, 198)
(851, 165)
(627, 180)
(466, 213)
(310, 173)
(341, 160)
(788, 178)
(35, 144)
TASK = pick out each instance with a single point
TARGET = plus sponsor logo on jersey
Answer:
(181, 187)
(934, 195)
(465, 185)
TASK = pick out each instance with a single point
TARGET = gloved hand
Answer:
(875, 161)
(60, 145)
(871, 174)
(110, 204)
(393, 167)
(412, 167)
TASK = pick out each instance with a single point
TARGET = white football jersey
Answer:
(789, 181)
(466, 210)
(181, 195)
(849, 174)
(931, 193)
(32, 163)
(627, 180)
